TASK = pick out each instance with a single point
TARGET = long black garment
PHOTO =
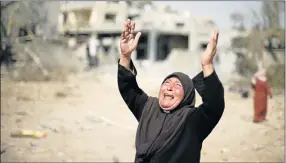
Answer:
(174, 137)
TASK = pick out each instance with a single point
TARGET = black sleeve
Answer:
(132, 95)
(210, 111)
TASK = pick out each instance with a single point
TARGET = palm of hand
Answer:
(208, 55)
(127, 46)
(127, 42)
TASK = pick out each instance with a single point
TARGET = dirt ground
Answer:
(87, 120)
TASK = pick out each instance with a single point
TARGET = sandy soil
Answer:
(87, 120)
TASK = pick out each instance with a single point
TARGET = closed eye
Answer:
(179, 85)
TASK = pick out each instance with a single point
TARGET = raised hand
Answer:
(127, 42)
(208, 55)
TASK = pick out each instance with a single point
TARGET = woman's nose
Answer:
(170, 87)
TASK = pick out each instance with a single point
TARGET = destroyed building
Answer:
(163, 29)
(22, 19)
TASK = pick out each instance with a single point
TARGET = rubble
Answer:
(28, 133)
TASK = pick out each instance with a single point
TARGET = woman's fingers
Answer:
(128, 32)
(137, 38)
(214, 39)
(124, 33)
(215, 35)
(132, 28)
(128, 26)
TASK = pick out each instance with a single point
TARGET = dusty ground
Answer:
(87, 120)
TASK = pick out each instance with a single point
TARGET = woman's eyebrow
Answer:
(178, 82)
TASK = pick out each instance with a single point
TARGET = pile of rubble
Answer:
(40, 60)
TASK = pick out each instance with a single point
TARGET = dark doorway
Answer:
(163, 49)
(167, 42)
(203, 46)
(142, 47)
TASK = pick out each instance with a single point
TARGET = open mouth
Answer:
(168, 96)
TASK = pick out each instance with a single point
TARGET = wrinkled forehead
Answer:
(173, 79)
(182, 78)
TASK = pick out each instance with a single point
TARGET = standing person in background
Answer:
(92, 50)
(262, 90)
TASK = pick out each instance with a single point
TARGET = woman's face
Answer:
(171, 94)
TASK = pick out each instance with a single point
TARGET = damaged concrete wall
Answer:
(50, 24)
(44, 14)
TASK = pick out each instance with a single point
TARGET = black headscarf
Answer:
(157, 128)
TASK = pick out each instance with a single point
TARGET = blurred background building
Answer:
(163, 29)
(169, 35)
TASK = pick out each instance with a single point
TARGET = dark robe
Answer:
(175, 136)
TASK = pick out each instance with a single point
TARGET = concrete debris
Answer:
(224, 150)
(29, 134)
